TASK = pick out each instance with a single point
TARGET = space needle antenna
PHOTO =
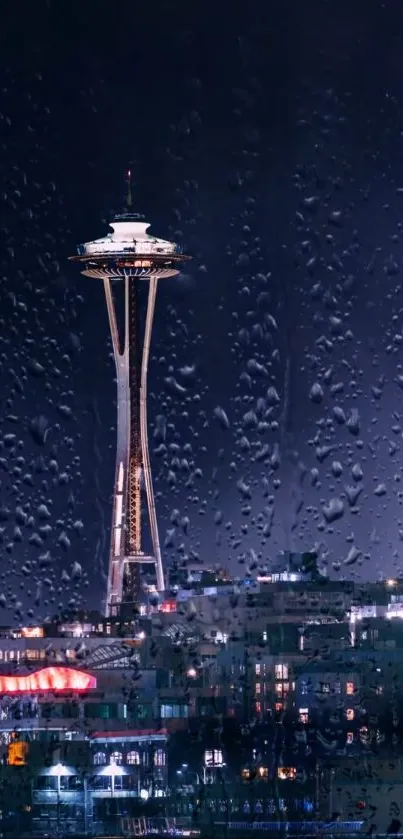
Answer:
(128, 199)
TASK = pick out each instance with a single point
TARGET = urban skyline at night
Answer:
(201, 425)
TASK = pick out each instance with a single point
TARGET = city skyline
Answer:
(201, 501)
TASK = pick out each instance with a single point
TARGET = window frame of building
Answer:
(286, 773)
(159, 757)
(281, 672)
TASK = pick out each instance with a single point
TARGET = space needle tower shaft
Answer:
(122, 259)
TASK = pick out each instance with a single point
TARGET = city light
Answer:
(59, 770)
(48, 679)
(32, 631)
(113, 770)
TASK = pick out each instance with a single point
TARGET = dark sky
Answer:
(267, 139)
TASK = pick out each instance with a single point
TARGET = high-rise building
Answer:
(121, 260)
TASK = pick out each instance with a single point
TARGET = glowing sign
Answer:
(167, 606)
(49, 678)
(17, 753)
(32, 632)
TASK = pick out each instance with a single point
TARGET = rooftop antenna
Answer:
(128, 197)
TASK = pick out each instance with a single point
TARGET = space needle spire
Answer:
(123, 260)
(128, 200)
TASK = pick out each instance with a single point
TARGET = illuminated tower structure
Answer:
(121, 260)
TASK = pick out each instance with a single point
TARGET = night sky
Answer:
(266, 138)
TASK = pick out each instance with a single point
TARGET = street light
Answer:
(58, 771)
(112, 771)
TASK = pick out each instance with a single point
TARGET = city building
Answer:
(80, 721)
(366, 789)
(105, 721)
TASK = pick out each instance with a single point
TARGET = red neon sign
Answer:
(49, 678)
(168, 606)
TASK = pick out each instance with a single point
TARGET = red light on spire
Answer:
(48, 679)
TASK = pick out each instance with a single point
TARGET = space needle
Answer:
(121, 260)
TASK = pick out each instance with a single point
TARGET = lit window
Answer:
(258, 707)
(142, 263)
(159, 757)
(265, 636)
(350, 714)
(99, 759)
(349, 738)
(116, 758)
(281, 671)
(278, 707)
(286, 773)
(133, 758)
(350, 688)
(257, 687)
(263, 772)
(17, 752)
(304, 715)
(174, 711)
(213, 757)
(257, 669)
(282, 688)
(325, 687)
(364, 737)
(32, 632)
(218, 758)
